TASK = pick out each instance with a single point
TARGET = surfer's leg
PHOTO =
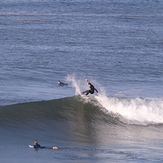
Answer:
(91, 91)
(86, 92)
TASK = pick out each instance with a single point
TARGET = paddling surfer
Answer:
(36, 146)
(61, 83)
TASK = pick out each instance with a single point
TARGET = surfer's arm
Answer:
(96, 90)
(87, 80)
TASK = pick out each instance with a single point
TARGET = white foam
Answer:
(134, 110)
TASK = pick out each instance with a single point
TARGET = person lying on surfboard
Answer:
(36, 146)
(61, 83)
(91, 90)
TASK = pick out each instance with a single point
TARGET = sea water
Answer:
(116, 45)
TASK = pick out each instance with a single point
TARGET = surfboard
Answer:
(84, 96)
(31, 146)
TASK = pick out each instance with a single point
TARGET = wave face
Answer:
(96, 109)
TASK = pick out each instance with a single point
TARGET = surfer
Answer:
(91, 90)
(36, 146)
(61, 83)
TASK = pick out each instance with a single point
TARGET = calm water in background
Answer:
(117, 45)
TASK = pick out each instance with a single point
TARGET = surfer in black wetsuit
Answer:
(61, 83)
(91, 90)
(36, 146)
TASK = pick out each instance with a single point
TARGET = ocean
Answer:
(117, 45)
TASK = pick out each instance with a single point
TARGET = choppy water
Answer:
(117, 45)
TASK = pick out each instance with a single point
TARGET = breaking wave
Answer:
(95, 109)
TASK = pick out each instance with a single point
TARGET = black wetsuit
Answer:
(91, 91)
(38, 146)
(62, 84)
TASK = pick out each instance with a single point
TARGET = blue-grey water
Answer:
(117, 45)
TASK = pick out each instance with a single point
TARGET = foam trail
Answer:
(134, 110)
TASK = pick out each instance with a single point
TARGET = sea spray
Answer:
(76, 83)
